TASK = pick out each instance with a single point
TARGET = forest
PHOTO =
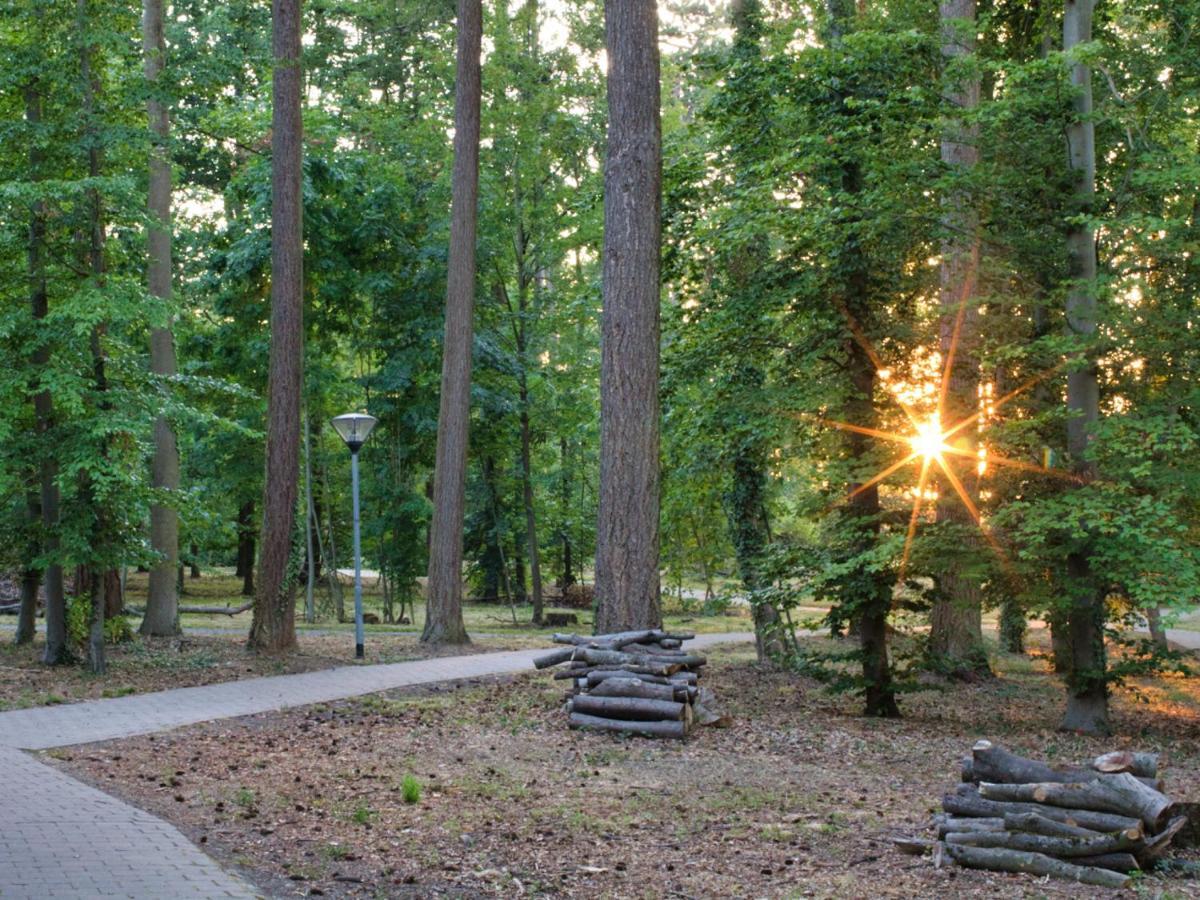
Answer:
(852, 341)
(877, 309)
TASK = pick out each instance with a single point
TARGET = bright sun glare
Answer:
(928, 441)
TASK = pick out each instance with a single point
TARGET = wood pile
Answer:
(637, 682)
(1096, 824)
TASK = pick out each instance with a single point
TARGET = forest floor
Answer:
(212, 648)
(798, 798)
(141, 665)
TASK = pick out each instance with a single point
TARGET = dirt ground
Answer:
(154, 664)
(799, 798)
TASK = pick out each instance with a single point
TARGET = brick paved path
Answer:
(60, 838)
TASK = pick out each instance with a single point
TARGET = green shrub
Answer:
(410, 789)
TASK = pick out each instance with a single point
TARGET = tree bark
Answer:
(957, 825)
(1141, 764)
(1062, 847)
(873, 592)
(627, 708)
(956, 620)
(56, 650)
(1117, 862)
(1158, 634)
(1087, 685)
(1012, 625)
(521, 333)
(1036, 823)
(30, 582)
(627, 528)
(1122, 794)
(101, 538)
(245, 554)
(568, 573)
(967, 802)
(995, 764)
(273, 628)
(162, 616)
(746, 504)
(634, 687)
(664, 729)
(996, 859)
(535, 563)
(443, 611)
(310, 567)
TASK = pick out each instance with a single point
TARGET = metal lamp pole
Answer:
(358, 611)
(354, 428)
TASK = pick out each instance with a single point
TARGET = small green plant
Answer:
(79, 615)
(364, 815)
(410, 789)
(336, 851)
(244, 797)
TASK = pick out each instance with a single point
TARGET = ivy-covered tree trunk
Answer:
(956, 620)
(874, 602)
(1012, 625)
(746, 502)
(1087, 685)
(101, 537)
(56, 650)
(627, 529)
(273, 628)
(869, 592)
(566, 474)
(162, 603)
(443, 612)
(749, 527)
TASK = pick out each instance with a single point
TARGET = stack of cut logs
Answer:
(639, 682)
(1093, 824)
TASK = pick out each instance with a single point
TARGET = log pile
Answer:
(637, 682)
(1097, 824)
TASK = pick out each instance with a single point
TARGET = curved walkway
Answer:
(61, 838)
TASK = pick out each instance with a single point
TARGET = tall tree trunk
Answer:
(879, 693)
(95, 254)
(443, 610)
(1087, 686)
(869, 613)
(1012, 624)
(531, 540)
(245, 552)
(56, 650)
(520, 595)
(956, 620)
(273, 628)
(310, 568)
(748, 525)
(568, 573)
(335, 586)
(162, 603)
(30, 578)
(746, 504)
(627, 528)
(1158, 634)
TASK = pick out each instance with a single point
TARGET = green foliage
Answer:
(410, 790)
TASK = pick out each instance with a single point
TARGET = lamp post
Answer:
(353, 428)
